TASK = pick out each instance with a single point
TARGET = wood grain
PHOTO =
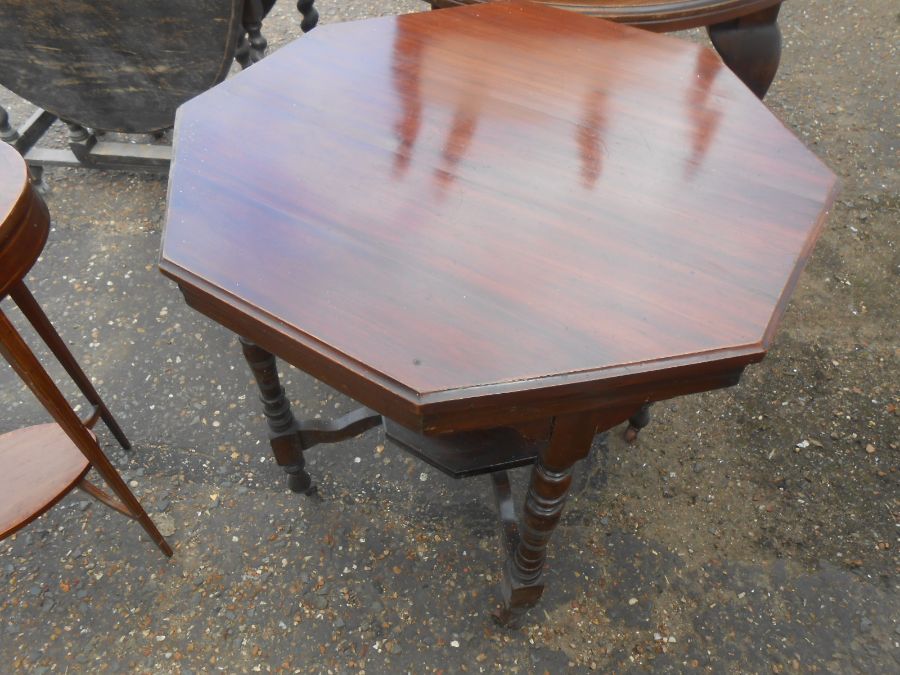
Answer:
(496, 210)
(38, 466)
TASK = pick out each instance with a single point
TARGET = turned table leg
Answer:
(551, 477)
(310, 14)
(283, 437)
(637, 422)
(751, 46)
(7, 133)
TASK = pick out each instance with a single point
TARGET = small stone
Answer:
(632, 601)
(870, 448)
(165, 524)
(454, 643)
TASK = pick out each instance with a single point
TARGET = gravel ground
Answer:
(749, 530)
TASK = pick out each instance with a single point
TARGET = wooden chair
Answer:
(41, 464)
(744, 32)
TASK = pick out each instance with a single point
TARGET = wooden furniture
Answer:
(112, 66)
(41, 464)
(504, 229)
(744, 32)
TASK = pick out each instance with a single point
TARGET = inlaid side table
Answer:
(40, 464)
(500, 228)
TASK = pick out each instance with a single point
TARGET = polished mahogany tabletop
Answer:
(491, 205)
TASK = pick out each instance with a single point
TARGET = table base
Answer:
(568, 440)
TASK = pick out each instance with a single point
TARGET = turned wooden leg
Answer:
(283, 436)
(637, 422)
(252, 44)
(7, 133)
(751, 46)
(551, 477)
(310, 14)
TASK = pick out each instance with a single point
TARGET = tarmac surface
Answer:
(749, 530)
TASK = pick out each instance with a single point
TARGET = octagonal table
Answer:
(502, 228)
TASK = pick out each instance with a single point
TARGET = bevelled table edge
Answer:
(470, 407)
(802, 258)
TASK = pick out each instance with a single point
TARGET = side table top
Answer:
(473, 204)
(13, 179)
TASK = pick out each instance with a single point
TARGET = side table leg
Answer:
(751, 46)
(551, 477)
(283, 436)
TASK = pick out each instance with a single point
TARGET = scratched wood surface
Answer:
(491, 200)
(113, 65)
(656, 15)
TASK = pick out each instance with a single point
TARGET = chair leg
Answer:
(751, 46)
(35, 315)
(14, 349)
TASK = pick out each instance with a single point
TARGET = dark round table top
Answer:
(116, 66)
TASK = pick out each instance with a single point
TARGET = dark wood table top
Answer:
(492, 212)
